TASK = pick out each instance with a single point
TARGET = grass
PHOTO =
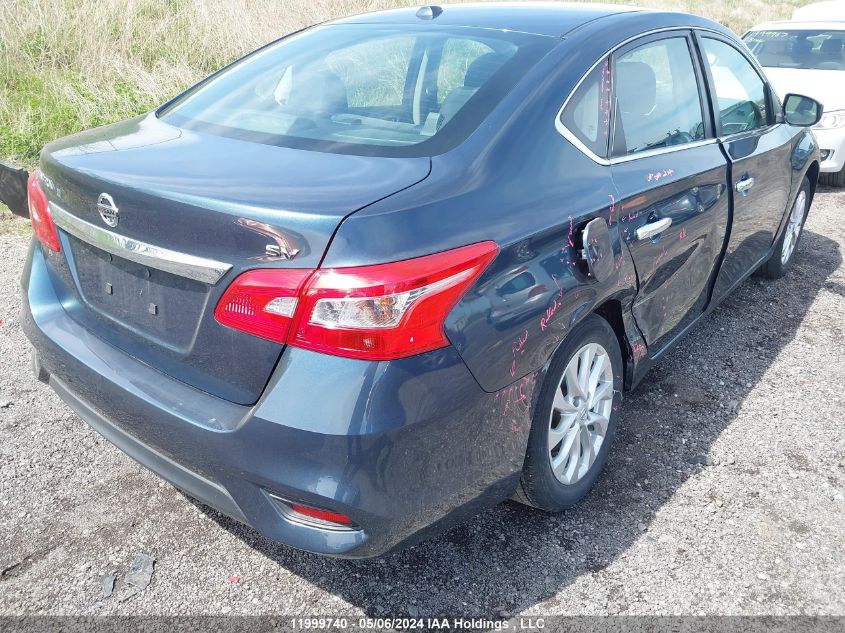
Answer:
(67, 65)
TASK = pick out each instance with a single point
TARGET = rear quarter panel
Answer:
(518, 182)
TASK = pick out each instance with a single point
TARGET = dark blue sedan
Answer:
(393, 269)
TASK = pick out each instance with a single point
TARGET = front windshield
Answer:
(807, 49)
(367, 89)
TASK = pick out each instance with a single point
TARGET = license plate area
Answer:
(151, 303)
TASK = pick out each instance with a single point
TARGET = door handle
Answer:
(742, 186)
(653, 228)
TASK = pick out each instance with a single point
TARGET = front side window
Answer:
(365, 89)
(657, 97)
(740, 92)
(815, 49)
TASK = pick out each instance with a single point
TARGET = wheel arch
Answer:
(812, 173)
(611, 311)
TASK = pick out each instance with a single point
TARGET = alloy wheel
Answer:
(793, 228)
(580, 413)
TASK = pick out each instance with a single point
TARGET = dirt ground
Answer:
(724, 492)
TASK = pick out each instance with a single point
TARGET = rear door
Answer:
(672, 176)
(758, 148)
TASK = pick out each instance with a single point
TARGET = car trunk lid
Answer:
(191, 211)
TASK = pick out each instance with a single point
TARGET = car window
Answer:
(657, 97)
(363, 89)
(456, 58)
(804, 48)
(587, 115)
(740, 92)
(373, 73)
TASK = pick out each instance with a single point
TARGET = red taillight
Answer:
(379, 312)
(321, 515)
(39, 214)
(387, 311)
(262, 302)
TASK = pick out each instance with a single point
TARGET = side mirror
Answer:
(802, 111)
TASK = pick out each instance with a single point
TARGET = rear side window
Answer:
(587, 115)
(657, 97)
(740, 92)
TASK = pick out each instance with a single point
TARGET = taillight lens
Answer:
(262, 302)
(39, 214)
(387, 311)
(379, 312)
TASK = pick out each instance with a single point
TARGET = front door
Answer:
(672, 177)
(758, 148)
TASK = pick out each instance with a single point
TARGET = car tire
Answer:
(833, 179)
(784, 252)
(560, 422)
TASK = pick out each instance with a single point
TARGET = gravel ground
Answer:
(723, 494)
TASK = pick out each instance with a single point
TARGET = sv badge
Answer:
(283, 252)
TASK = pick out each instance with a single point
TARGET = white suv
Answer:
(808, 58)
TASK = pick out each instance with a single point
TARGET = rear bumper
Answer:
(832, 142)
(405, 448)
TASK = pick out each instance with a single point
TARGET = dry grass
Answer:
(67, 65)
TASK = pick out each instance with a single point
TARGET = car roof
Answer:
(800, 25)
(543, 18)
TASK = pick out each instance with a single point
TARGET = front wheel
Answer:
(575, 419)
(777, 265)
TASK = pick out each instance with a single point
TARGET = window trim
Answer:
(572, 138)
(773, 117)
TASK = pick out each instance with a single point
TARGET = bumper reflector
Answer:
(309, 515)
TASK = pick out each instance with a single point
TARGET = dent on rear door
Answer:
(675, 267)
(672, 177)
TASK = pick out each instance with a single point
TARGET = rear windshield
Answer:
(808, 49)
(363, 89)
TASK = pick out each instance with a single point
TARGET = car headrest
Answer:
(321, 90)
(831, 46)
(636, 87)
(483, 68)
(801, 47)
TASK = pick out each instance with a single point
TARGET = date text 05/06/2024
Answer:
(422, 624)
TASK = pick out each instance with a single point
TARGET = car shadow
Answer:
(511, 557)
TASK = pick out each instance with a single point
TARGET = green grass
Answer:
(68, 65)
(41, 107)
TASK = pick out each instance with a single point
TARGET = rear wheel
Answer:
(833, 179)
(780, 260)
(574, 422)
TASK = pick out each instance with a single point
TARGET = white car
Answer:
(830, 10)
(808, 58)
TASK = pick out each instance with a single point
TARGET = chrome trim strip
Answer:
(757, 131)
(662, 150)
(570, 136)
(207, 271)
